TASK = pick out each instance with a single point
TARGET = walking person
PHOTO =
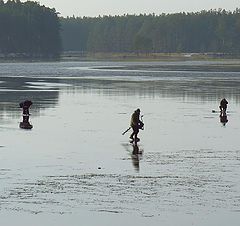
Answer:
(136, 124)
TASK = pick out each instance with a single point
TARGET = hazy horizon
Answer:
(93, 8)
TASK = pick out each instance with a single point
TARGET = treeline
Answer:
(28, 30)
(216, 31)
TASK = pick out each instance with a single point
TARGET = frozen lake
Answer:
(76, 168)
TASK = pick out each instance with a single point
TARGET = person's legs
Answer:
(136, 131)
(131, 136)
(224, 109)
(133, 133)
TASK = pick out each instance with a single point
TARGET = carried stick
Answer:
(126, 130)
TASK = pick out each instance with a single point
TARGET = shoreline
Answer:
(138, 57)
(126, 57)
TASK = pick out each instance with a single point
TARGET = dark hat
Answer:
(26, 103)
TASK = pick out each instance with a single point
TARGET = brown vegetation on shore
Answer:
(75, 55)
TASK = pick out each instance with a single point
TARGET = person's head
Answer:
(138, 111)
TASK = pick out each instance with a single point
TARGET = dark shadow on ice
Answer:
(223, 118)
(136, 153)
(136, 156)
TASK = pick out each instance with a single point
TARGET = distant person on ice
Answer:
(136, 124)
(223, 105)
(25, 105)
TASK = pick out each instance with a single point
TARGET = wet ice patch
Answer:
(186, 181)
(44, 85)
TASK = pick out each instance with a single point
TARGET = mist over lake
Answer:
(75, 166)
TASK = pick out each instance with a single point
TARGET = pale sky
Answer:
(94, 8)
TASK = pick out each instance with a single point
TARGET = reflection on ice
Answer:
(192, 188)
(44, 85)
(15, 89)
(136, 152)
(223, 118)
(73, 160)
(136, 156)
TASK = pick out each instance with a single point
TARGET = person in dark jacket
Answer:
(136, 124)
(223, 105)
(25, 105)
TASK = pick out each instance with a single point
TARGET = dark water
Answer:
(75, 166)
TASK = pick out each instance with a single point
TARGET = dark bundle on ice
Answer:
(25, 124)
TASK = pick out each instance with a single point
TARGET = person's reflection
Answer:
(25, 124)
(223, 118)
(136, 155)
